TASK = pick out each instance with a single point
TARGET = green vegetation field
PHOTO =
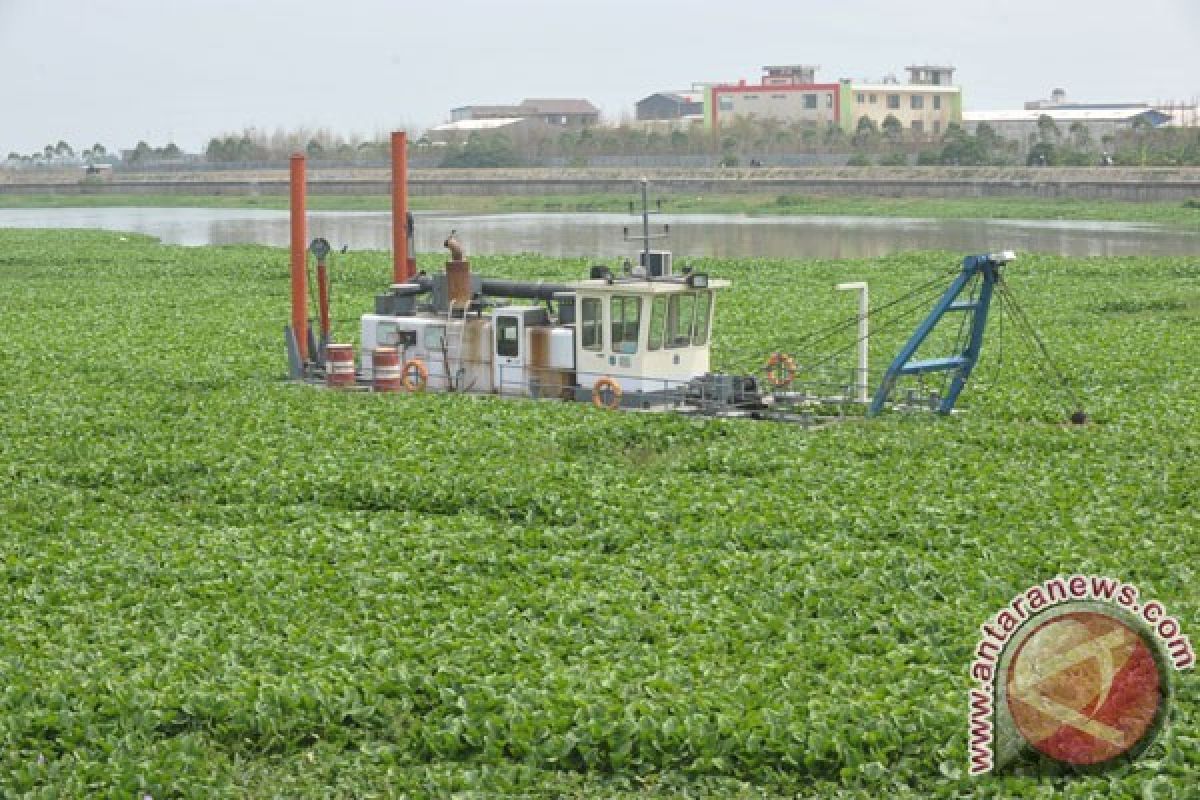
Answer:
(1175, 214)
(221, 584)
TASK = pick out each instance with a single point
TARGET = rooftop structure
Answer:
(930, 75)
(789, 74)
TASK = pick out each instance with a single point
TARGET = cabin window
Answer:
(625, 314)
(591, 325)
(435, 338)
(508, 332)
(703, 315)
(681, 314)
(658, 316)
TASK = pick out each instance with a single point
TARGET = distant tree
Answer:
(859, 160)
(63, 150)
(892, 127)
(99, 151)
(48, 151)
(481, 151)
(893, 160)
(14, 156)
(141, 152)
(1141, 124)
(1081, 135)
(314, 150)
(171, 151)
(961, 149)
(834, 136)
(865, 132)
(1043, 154)
(1047, 129)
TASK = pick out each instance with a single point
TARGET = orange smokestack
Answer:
(299, 276)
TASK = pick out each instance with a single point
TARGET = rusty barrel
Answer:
(339, 365)
(385, 369)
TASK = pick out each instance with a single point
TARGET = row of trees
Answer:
(143, 153)
(742, 140)
(252, 145)
(1140, 145)
(62, 151)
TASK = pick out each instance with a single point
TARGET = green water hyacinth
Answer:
(219, 583)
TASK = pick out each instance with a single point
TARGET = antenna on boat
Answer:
(646, 236)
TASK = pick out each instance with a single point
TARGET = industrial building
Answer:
(788, 93)
(460, 130)
(925, 105)
(568, 112)
(1022, 124)
(1180, 114)
(671, 105)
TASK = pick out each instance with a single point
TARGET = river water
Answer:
(600, 235)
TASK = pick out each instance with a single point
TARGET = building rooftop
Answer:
(476, 124)
(1062, 115)
(903, 87)
(490, 109)
(684, 95)
(559, 105)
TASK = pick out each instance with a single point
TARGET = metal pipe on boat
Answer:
(497, 287)
(402, 269)
(323, 299)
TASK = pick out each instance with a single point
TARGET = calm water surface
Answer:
(599, 235)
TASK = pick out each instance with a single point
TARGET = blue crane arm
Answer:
(987, 269)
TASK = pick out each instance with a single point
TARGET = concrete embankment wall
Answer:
(1127, 184)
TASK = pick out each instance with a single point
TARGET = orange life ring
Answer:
(598, 393)
(781, 369)
(422, 375)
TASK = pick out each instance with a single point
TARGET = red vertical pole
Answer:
(400, 272)
(299, 274)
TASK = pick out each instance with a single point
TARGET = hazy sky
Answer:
(116, 71)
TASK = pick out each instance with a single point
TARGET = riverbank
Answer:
(1173, 214)
(1123, 184)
